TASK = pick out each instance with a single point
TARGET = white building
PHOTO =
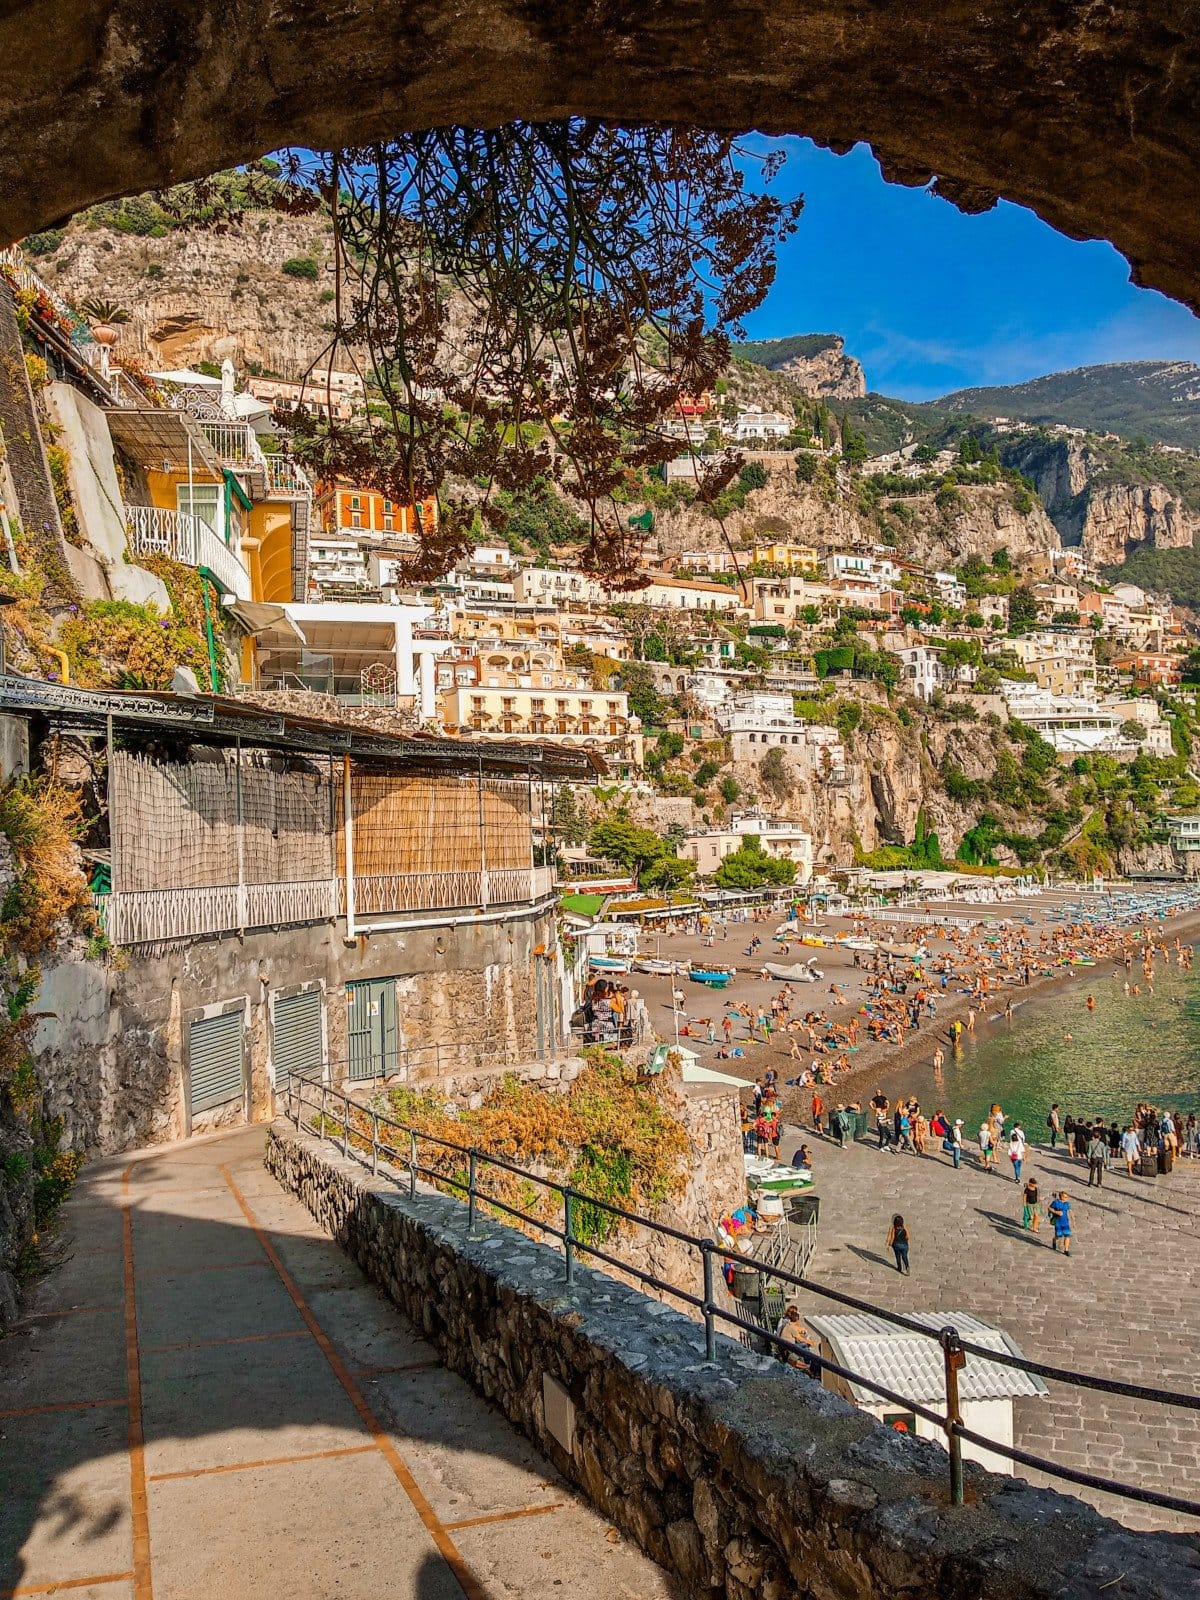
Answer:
(913, 1366)
(1073, 724)
(923, 673)
(757, 712)
(752, 425)
(781, 839)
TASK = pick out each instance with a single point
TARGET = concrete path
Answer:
(1125, 1304)
(207, 1401)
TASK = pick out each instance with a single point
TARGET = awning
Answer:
(256, 616)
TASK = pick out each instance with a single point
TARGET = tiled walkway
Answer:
(207, 1401)
(1125, 1304)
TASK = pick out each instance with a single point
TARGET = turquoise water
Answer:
(1125, 1051)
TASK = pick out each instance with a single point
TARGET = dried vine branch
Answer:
(532, 301)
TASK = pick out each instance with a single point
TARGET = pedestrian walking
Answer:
(1016, 1151)
(987, 1155)
(1097, 1149)
(1031, 1211)
(898, 1242)
(1130, 1148)
(1059, 1212)
(818, 1115)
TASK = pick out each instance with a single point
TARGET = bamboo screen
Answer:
(175, 824)
(419, 823)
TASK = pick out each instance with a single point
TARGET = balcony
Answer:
(188, 540)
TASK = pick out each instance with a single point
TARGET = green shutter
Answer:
(215, 1060)
(372, 1028)
(296, 1036)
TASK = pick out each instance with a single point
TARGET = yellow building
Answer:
(560, 715)
(787, 557)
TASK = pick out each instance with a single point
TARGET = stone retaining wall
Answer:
(747, 1479)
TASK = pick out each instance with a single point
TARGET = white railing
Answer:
(18, 268)
(155, 916)
(236, 443)
(187, 539)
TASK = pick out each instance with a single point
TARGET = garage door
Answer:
(296, 1036)
(215, 1060)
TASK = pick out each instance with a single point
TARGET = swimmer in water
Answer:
(1068, 1038)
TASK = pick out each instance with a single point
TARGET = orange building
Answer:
(343, 508)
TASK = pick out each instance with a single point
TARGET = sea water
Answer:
(1126, 1050)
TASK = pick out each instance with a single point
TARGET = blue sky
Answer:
(931, 300)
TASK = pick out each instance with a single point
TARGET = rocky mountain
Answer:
(816, 363)
(976, 521)
(1111, 499)
(254, 289)
(1157, 399)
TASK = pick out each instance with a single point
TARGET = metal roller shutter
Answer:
(296, 1035)
(215, 1060)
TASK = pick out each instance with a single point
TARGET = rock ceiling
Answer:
(1085, 112)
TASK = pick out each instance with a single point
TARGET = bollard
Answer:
(955, 1358)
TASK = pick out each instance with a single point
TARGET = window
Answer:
(201, 500)
(389, 524)
(356, 519)
(355, 503)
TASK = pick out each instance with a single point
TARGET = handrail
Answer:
(309, 1090)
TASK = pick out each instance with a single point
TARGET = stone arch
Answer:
(1085, 115)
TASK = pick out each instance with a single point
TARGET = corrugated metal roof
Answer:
(913, 1366)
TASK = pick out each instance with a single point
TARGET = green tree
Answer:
(667, 873)
(749, 867)
(811, 615)
(566, 820)
(1022, 610)
(617, 839)
(968, 450)
(645, 702)
(730, 789)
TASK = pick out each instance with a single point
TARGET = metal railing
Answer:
(153, 530)
(357, 1128)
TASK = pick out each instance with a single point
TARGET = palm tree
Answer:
(99, 310)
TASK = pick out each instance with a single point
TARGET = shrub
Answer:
(301, 267)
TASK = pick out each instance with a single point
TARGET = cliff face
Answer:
(983, 518)
(203, 294)
(1108, 520)
(827, 374)
(1120, 518)
(891, 775)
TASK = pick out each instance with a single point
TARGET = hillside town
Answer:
(574, 858)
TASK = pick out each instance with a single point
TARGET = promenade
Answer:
(206, 1399)
(1125, 1304)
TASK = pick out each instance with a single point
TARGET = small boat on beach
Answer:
(712, 977)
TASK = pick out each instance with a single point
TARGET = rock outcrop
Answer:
(981, 518)
(1109, 519)
(1118, 519)
(828, 374)
(201, 294)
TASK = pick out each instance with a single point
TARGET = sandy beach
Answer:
(874, 1060)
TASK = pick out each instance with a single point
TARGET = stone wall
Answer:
(112, 1052)
(747, 1479)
